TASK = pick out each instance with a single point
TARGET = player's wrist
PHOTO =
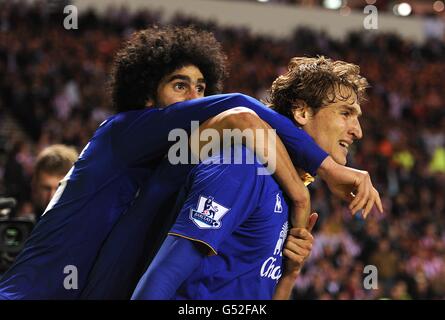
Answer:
(326, 168)
(290, 276)
(301, 199)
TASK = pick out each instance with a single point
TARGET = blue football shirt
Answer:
(242, 218)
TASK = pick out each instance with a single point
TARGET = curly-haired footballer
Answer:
(119, 160)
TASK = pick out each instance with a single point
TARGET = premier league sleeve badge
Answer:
(208, 213)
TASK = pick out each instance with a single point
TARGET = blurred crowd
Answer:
(53, 83)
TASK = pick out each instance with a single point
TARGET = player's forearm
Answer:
(271, 151)
(289, 180)
(283, 290)
(168, 270)
(327, 168)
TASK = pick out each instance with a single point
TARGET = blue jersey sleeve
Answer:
(143, 136)
(220, 198)
(174, 263)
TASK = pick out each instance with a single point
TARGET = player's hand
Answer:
(351, 185)
(298, 247)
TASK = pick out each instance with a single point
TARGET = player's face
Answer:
(335, 126)
(44, 187)
(182, 84)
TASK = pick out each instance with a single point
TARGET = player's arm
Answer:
(298, 247)
(146, 138)
(274, 154)
(173, 264)
(341, 180)
(307, 155)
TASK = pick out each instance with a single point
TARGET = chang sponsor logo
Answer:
(271, 267)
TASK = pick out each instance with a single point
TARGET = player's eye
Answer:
(179, 85)
(201, 88)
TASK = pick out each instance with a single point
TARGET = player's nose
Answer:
(194, 94)
(356, 130)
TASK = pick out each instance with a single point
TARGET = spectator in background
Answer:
(52, 164)
(385, 259)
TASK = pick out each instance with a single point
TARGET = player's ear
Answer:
(301, 112)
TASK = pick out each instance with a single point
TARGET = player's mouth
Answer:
(345, 145)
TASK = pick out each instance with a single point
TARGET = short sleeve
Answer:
(221, 197)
